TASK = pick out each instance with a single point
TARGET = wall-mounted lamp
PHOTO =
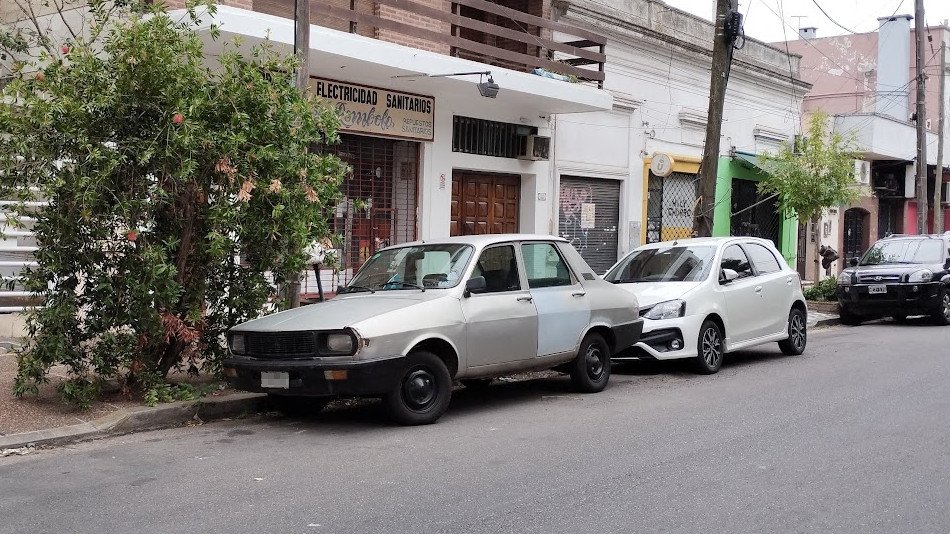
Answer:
(487, 89)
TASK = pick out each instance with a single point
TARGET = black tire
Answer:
(797, 333)
(590, 370)
(476, 384)
(295, 406)
(899, 318)
(710, 349)
(848, 318)
(423, 391)
(941, 315)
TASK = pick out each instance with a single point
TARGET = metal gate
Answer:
(379, 204)
(855, 233)
(588, 215)
(753, 214)
(670, 204)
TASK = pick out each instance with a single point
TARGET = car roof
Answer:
(945, 235)
(484, 239)
(713, 241)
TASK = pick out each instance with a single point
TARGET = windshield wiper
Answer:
(625, 281)
(407, 284)
(353, 289)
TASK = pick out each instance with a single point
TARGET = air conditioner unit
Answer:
(534, 147)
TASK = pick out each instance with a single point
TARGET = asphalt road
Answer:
(853, 436)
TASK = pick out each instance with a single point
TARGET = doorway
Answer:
(485, 203)
(855, 233)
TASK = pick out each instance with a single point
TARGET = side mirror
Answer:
(476, 284)
(853, 262)
(727, 275)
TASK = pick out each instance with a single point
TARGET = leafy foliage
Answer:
(816, 174)
(824, 291)
(161, 167)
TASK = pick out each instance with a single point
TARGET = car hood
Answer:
(341, 312)
(651, 293)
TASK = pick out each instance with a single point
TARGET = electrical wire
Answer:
(833, 21)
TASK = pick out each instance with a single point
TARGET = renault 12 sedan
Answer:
(418, 316)
(701, 298)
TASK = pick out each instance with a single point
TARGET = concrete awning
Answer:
(364, 60)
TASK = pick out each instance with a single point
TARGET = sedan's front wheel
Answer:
(422, 393)
(710, 348)
(590, 371)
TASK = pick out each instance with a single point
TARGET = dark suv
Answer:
(900, 275)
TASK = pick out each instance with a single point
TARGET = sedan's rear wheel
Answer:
(423, 391)
(797, 333)
(710, 348)
(590, 371)
(941, 315)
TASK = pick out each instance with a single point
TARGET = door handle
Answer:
(578, 294)
(758, 289)
(788, 280)
(525, 299)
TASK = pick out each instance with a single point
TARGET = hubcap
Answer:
(712, 347)
(595, 362)
(946, 305)
(798, 331)
(419, 389)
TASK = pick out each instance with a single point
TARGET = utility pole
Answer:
(920, 36)
(728, 28)
(941, 129)
(302, 52)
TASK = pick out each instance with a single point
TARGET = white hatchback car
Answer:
(701, 298)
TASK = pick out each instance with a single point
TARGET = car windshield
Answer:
(904, 251)
(413, 267)
(667, 264)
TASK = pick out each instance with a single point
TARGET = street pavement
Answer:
(853, 436)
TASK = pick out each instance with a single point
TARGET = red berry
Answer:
(65, 49)
(132, 235)
(178, 118)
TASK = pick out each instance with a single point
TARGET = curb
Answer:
(831, 321)
(123, 422)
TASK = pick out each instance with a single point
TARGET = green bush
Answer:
(161, 166)
(824, 291)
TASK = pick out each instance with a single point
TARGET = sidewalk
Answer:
(45, 420)
(820, 319)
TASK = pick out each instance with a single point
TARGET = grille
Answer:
(873, 278)
(281, 344)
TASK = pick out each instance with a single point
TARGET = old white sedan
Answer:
(702, 298)
(418, 316)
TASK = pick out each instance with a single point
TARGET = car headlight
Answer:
(845, 279)
(339, 343)
(236, 344)
(670, 309)
(921, 276)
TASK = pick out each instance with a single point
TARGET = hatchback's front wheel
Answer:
(422, 393)
(710, 348)
(797, 333)
(590, 371)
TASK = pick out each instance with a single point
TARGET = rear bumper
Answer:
(900, 298)
(317, 378)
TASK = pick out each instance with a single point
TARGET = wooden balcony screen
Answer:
(473, 29)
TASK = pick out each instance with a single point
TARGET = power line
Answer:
(827, 16)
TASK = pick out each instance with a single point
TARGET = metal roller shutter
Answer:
(588, 216)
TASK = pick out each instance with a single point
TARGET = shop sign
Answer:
(374, 111)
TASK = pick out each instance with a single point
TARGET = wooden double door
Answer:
(484, 203)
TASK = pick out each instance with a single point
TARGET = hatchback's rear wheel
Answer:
(941, 315)
(797, 333)
(590, 371)
(710, 348)
(422, 393)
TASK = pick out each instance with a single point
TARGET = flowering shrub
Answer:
(161, 166)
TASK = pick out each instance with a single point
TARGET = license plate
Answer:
(877, 290)
(275, 379)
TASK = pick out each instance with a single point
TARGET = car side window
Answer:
(734, 258)
(762, 258)
(544, 267)
(500, 269)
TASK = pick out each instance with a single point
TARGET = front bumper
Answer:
(907, 299)
(317, 378)
(626, 335)
(656, 341)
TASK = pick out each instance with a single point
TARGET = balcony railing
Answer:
(473, 29)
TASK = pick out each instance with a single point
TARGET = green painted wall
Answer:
(730, 168)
